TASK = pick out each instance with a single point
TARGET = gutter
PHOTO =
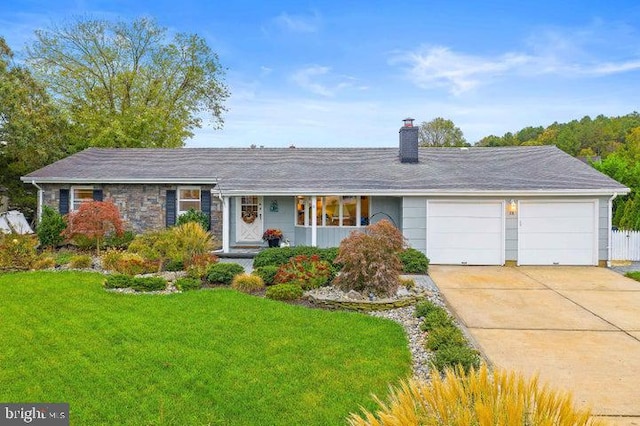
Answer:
(40, 199)
(610, 225)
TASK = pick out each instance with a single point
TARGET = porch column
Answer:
(225, 224)
(314, 221)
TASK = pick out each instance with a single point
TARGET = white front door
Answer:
(249, 225)
(467, 233)
(561, 232)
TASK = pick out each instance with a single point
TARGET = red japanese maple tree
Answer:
(94, 220)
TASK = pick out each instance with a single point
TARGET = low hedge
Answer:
(284, 292)
(136, 283)
(278, 256)
(447, 342)
(187, 283)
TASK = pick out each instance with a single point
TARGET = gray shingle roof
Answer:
(336, 170)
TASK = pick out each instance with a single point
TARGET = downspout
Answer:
(40, 199)
(615, 194)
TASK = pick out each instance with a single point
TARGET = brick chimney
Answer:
(408, 142)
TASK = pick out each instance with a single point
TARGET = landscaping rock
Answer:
(354, 295)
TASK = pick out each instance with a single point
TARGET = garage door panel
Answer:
(557, 233)
(556, 225)
(480, 241)
(557, 210)
(465, 233)
(561, 257)
(462, 209)
(550, 242)
(459, 225)
(476, 256)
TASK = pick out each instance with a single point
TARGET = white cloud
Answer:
(594, 51)
(441, 67)
(298, 23)
(319, 80)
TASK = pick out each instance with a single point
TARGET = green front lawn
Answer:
(203, 357)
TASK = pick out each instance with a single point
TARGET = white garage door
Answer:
(557, 233)
(465, 233)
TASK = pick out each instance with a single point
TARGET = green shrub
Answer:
(424, 307)
(440, 337)
(267, 273)
(456, 355)
(247, 283)
(187, 284)
(44, 261)
(50, 228)
(136, 283)
(174, 265)
(148, 283)
(280, 255)
(119, 241)
(436, 318)
(284, 292)
(196, 216)
(118, 281)
(80, 261)
(223, 273)
(307, 271)
(17, 252)
(413, 261)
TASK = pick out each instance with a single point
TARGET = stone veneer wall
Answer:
(142, 206)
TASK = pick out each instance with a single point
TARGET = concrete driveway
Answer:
(577, 327)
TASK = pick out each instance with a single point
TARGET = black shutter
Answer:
(63, 206)
(205, 206)
(97, 195)
(170, 210)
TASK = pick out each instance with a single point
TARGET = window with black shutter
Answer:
(170, 208)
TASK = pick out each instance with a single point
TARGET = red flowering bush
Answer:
(94, 220)
(370, 261)
(307, 271)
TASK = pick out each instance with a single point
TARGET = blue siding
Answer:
(414, 222)
(386, 208)
(282, 219)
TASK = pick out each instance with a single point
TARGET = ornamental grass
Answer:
(480, 398)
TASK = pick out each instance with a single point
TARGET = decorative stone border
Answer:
(366, 305)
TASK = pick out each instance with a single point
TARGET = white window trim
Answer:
(322, 224)
(179, 199)
(72, 198)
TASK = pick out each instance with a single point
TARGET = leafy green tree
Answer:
(31, 130)
(441, 132)
(124, 84)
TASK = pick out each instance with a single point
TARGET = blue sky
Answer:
(345, 73)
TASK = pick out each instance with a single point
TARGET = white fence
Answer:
(625, 245)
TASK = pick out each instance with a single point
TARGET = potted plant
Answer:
(272, 236)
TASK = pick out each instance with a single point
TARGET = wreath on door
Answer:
(249, 217)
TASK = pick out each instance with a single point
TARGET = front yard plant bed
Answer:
(214, 356)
